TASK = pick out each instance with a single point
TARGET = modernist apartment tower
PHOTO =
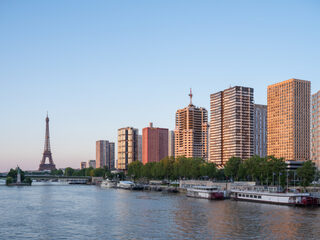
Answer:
(315, 129)
(260, 130)
(231, 124)
(127, 147)
(191, 131)
(171, 144)
(154, 144)
(104, 154)
(289, 120)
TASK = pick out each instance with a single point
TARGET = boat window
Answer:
(251, 196)
(247, 195)
(255, 196)
(259, 196)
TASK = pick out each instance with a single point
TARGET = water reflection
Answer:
(88, 212)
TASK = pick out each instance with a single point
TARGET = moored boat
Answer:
(125, 185)
(212, 192)
(273, 195)
(108, 184)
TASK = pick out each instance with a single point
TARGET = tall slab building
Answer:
(191, 132)
(260, 130)
(154, 144)
(104, 154)
(127, 147)
(231, 124)
(289, 120)
(171, 144)
(315, 129)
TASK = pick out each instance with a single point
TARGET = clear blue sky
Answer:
(97, 66)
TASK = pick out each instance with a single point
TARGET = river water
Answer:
(89, 212)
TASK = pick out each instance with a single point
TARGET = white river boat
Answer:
(273, 195)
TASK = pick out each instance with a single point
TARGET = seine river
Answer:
(88, 212)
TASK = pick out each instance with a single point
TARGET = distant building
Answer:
(111, 162)
(154, 144)
(104, 154)
(315, 129)
(92, 163)
(171, 144)
(289, 120)
(83, 165)
(127, 147)
(231, 124)
(260, 130)
(191, 131)
(140, 148)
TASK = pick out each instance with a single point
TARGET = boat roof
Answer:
(270, 193)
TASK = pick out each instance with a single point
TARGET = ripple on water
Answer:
(88, 212)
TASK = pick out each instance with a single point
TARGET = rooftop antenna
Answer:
(190, 95)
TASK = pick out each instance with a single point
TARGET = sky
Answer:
(97, 66)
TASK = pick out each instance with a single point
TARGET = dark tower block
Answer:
(47, 152)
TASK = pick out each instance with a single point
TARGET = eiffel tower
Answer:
(47, 152)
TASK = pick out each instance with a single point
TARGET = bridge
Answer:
(47, 177)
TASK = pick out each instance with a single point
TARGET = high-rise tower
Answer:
(288, 120)
(231, 124)
(47, 152)
(191, 131)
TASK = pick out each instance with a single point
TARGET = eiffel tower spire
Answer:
(47, 151)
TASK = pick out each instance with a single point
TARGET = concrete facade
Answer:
(231, 124)
(92, 163)
(154, 144)
(289, 120)
(127, 147)
(171, 144)
(315, 129)
(104, 154)
(260, 130)
(191, 132)
(83, 165)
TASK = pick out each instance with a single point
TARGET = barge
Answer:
(212, 192)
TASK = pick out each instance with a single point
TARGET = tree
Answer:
(56, 172)
(231, 169)
(306, 173)
(98, 172)
(135, 168)
(9, 180)
(28, 180)
(68, 171)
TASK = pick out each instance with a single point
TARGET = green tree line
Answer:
(264, 171)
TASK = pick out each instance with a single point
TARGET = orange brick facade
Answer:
(154, 144)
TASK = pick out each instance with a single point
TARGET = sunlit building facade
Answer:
(231, 124)
(191, 132)
(127, 147)
(289, 120)
(315, 129)
(154, 144)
